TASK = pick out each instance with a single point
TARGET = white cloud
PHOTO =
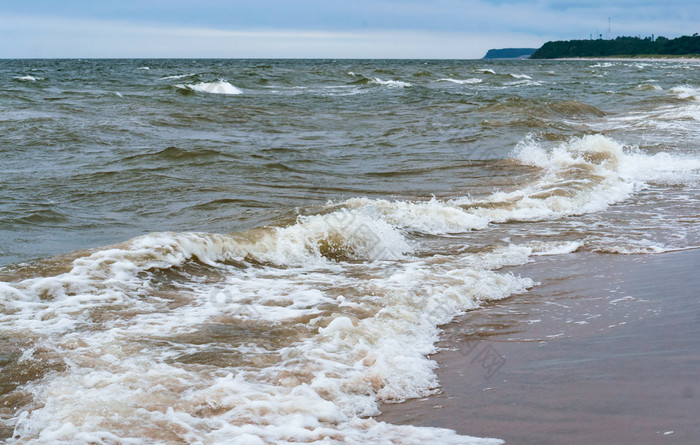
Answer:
(381, 29)
(76, 38)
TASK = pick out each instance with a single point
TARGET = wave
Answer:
(648, 87)
(631, 247)
(219, 87)
(580, 176)
(520, 76)
(309, 325)
(462, 81)
(555, 248)
(390, 83)
(178, 76)
(338, 354)
(433, 217)
(573, 108)
(27, 78)
(177, 153)
(523, 82)
(686, 92)
(341, 235)
(36, 217)
(362, 80)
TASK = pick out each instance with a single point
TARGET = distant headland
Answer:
(620, 47)
(510, 53)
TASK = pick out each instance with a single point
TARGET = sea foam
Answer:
(219, 87)
(391, 83)
(580, 176)
(319, 321)
(341, 355)
(686, 92)
(27, 78)
(471, 81)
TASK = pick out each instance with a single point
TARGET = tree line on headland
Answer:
(621, 46)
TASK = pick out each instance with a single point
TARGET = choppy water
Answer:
(261, 251)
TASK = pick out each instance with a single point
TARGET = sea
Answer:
(264, 251)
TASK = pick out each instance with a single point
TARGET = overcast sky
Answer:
(462, 29)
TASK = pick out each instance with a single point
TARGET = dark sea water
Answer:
(262, 251)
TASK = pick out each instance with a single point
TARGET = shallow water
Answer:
(264, 250)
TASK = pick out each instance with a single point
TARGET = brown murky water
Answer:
(264, 251)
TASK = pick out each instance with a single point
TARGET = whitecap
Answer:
(433, 217)
(686, 92)
(27, 78)
(219, 87)
(648, 87)
(527, 82)
(178, 76)
(602, 65)
(540, 248)
(471, 81)
(391, 83)
(580, 176)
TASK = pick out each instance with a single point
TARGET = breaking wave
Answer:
(219, 87)
(580, 176)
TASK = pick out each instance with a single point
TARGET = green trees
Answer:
(621, 46)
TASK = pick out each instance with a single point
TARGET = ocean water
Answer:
(263, 251)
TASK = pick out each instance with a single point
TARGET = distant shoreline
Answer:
(622, 46)
(628, 58)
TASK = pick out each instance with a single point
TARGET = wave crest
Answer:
(219, 87)
(580, 176)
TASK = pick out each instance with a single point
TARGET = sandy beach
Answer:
(604, 350)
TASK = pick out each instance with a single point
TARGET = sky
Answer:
(418, 29)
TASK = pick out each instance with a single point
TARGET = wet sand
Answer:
(605, 350)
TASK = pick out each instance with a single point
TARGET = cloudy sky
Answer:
(462, 29)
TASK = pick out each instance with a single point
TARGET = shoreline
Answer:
(604, 350)
(628, 58)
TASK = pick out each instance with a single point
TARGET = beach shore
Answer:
(604, 350)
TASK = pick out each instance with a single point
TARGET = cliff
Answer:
(509, 53)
